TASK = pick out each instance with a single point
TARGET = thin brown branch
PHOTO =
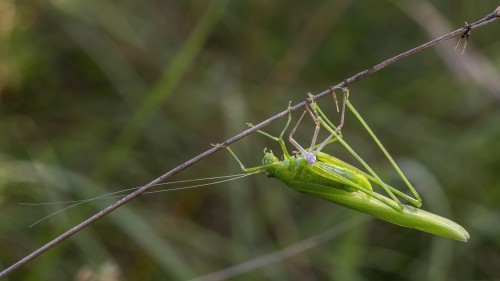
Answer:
(459, 32)
(474, 67)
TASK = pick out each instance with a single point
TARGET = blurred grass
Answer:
(101, 95)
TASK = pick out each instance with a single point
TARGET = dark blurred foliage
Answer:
(97, 96)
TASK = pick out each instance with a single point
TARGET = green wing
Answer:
(323, 157)
(411, 217)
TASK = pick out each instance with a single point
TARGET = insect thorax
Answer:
(290, 169)
(296, 169)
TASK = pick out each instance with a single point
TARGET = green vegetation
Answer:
(97, 96)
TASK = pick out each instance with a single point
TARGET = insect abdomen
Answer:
(411, 217)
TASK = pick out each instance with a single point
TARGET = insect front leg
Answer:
(258, 169)
(279, 139)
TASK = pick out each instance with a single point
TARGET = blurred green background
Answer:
(96, 96)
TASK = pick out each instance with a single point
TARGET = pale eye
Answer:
(310, 158)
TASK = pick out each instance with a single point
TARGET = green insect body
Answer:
(321, 175)
(300, 176)
(296, 169)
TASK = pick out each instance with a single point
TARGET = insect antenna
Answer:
(121, 193)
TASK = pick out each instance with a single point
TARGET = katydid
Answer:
(321, 175)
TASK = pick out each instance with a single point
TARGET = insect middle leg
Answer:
(313, 150)
(310, 155)
(313, 111)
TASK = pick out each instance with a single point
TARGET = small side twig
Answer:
(459, 32)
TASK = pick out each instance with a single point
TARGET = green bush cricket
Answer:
(321, 175)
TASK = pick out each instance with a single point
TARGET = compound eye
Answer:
(310, 158)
